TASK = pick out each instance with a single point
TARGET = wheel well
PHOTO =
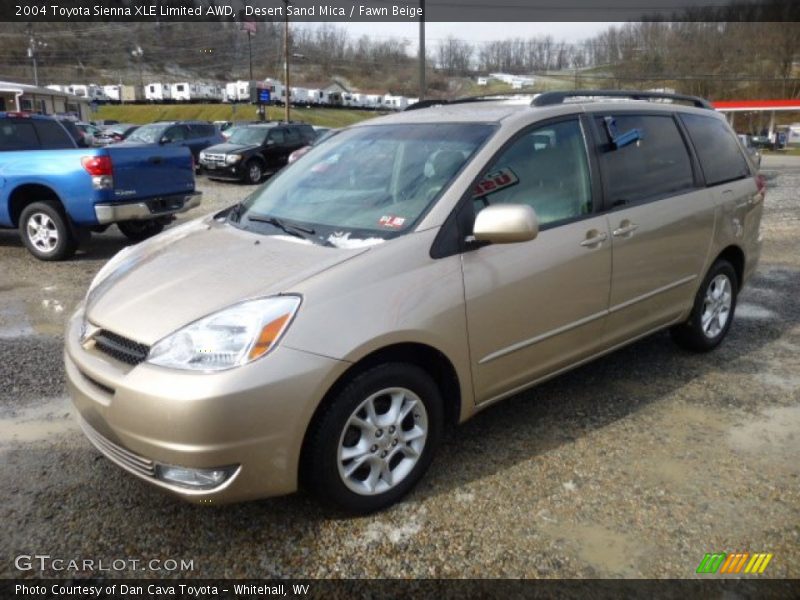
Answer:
(28, 194)
(735, 256)
(427, 358)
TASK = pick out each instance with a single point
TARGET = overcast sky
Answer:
(478, 32)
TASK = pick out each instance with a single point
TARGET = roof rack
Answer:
(550, 98)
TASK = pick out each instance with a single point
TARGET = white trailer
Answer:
(395, 102)
(184, 91)
(238, 91)
(300, 95)
(157, 92)
(78, 89)
(113, 92)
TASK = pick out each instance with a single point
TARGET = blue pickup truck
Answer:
(56, 194)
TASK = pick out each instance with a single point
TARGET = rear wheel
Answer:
(712, 312)
(136, 231)
(376, 438)
(46, 231)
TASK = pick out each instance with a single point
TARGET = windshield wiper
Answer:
(294, 230)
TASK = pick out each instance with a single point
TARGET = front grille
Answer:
(120, 348)
(118, 454)
(215, 157)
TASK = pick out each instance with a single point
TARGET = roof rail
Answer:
(465, 99)
(550, 98)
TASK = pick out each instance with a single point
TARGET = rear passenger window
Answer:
(656, 165)
(720, 155)
(53, 136)
(292, 136)
(546, 169)
(18, 135)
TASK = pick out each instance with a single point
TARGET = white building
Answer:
(22, 97)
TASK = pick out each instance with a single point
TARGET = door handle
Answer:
(625, 228)
(594, 238)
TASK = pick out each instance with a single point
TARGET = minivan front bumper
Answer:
(248, 421)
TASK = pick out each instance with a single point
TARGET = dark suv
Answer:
(255, 150)
(195, 135)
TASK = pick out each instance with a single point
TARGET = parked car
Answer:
(113, 134)
(404, 275)
(90, 132)
(323, 134)
(195, 135)
(752, 151)
(255, 150)
(103, 123)
(228, 131)
(56, 193)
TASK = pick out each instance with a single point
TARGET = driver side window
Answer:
(546, 168)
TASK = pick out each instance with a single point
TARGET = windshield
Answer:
(149, 134)
(369, 183)
(247, 136)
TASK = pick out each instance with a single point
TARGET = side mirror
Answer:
(165, 140)
(506, 224)
(270, 142)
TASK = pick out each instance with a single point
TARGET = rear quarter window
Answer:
(720, 153)
(18, 135)
(657, 165)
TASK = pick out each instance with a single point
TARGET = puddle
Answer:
(14, 321)
(747, 310)
(38, 423)
(607, 551)
(774, 436)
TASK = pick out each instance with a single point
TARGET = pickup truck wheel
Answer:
(253, 172)
(46, 232)
(136, 231)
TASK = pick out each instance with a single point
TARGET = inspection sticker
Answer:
(391, 221)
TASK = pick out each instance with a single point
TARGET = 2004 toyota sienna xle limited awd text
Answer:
(400, 277)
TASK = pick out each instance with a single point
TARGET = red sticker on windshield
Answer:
(495, 181)
(391, 221)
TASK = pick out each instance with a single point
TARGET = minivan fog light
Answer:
(198, 479)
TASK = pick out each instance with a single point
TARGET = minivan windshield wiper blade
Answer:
(294, 230)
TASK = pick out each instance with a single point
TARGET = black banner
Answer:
(24, 11)
(377, 589)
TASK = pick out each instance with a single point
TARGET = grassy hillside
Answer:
(146, 113)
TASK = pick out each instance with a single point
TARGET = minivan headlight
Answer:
(229, 338)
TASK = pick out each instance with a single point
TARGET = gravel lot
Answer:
(635, 465)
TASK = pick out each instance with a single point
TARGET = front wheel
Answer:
(136, 231)
(253, 172)
(375, 439)
(712, 312)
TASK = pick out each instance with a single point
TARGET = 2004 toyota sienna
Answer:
(403, 275)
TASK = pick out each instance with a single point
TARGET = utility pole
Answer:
(33, 49)
(286, 86)
(422, 85)
(250, 52)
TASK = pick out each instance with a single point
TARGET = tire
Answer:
(349, 465)
(713, 310)
(46, 231)
(136, 231)
(253, 172)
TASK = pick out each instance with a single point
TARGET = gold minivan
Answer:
(403, 275)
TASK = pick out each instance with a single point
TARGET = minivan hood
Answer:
(164, 284)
